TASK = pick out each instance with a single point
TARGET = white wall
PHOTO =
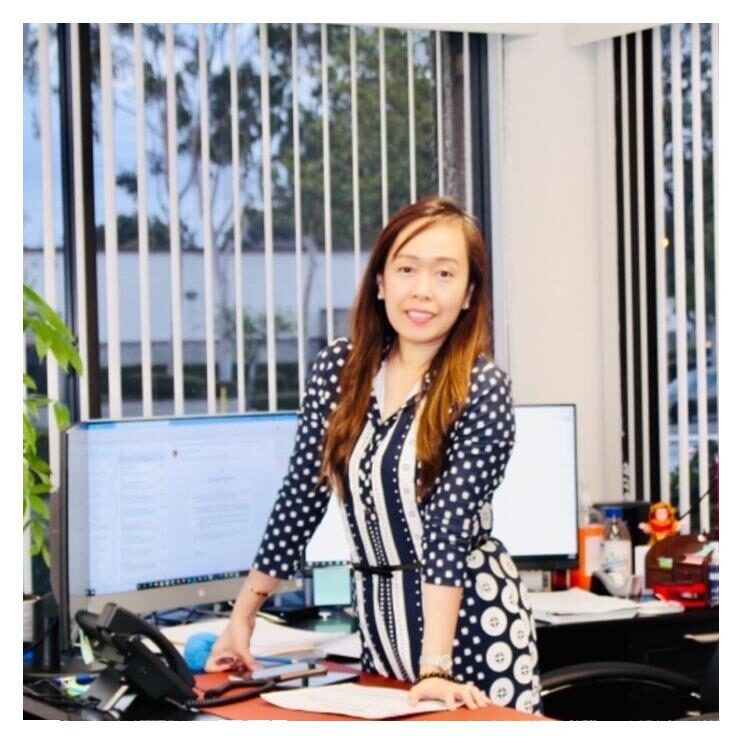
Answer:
(561, 268)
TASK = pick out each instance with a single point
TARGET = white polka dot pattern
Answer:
(495, 644)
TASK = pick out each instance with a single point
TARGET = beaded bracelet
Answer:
(433, 675)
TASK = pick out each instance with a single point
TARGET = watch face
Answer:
(443, 662)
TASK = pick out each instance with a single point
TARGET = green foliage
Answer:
(50, 336)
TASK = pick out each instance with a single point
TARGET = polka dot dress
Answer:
(444, 541)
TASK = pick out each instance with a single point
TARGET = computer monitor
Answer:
(169, 512)
(535, 509)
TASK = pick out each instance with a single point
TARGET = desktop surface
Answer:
(259, 709)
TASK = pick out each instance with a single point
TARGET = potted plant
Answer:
(50, 336)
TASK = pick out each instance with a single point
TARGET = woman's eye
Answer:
(445, 274)
(405, 269)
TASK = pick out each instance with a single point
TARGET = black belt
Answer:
(385, 570)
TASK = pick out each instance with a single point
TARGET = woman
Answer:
(412, 426)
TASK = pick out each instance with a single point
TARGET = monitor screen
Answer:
(170, 512)
(534, 511)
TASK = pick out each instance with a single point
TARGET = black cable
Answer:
(694, 504)
(55, 696)
(199, 704)
(51, 628)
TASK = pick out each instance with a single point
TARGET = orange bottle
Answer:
(590, 536)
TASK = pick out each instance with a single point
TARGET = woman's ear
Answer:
(380, 285)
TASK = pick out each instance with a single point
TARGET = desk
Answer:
(258, 709)
(656, 640)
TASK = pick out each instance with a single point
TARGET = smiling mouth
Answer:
(419, 317)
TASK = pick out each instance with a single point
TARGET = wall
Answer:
(559, 257)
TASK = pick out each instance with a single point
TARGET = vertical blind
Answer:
(158, 212)
(666, 112)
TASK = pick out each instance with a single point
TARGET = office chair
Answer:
(629, 691)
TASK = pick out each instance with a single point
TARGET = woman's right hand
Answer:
(231, 652)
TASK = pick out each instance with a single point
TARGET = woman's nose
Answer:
(422, 286)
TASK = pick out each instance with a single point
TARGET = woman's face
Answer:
(425, 285)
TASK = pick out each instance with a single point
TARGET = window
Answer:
(666, 118)
(229, 237)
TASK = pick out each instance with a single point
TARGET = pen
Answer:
(274, 659)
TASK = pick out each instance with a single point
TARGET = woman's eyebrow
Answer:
(439, 259)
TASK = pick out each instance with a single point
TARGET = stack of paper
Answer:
(268, 638)
(578, 605)
(347, 646)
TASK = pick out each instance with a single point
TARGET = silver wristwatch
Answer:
(444, 662)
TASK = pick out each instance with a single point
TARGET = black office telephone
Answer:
(116, 636)
(131, 668)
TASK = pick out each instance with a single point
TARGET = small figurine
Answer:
(662, 522)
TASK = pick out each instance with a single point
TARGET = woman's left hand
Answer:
(449, 692)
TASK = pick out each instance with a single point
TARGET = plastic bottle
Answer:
(616, 548)
(714, 577)
(590, 538)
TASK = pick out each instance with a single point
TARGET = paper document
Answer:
(659, 606)
(354, 700)
(349, 646)
(576, 605)
(268, 638)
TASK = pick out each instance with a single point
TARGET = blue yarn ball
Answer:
(197, 650)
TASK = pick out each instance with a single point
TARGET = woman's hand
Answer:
(449, 692)
(231, 652)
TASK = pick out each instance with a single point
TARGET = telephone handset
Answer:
(116, 636)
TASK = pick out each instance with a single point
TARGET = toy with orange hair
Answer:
(662, 522)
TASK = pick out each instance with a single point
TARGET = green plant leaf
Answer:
(62, 415)
(46, 312)
(49, 334)
(46, 555)
(37, 531)
(38, 464)
(36, 401)
(49, 331)
(40, 507)
(41, 345)
(29, 434)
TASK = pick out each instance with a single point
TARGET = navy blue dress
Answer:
(444, 541)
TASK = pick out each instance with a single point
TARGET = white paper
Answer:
(268, 638)
(348, 646)
(578, 601)
(354, 700)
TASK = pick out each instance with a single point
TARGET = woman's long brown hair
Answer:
(450, 369)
